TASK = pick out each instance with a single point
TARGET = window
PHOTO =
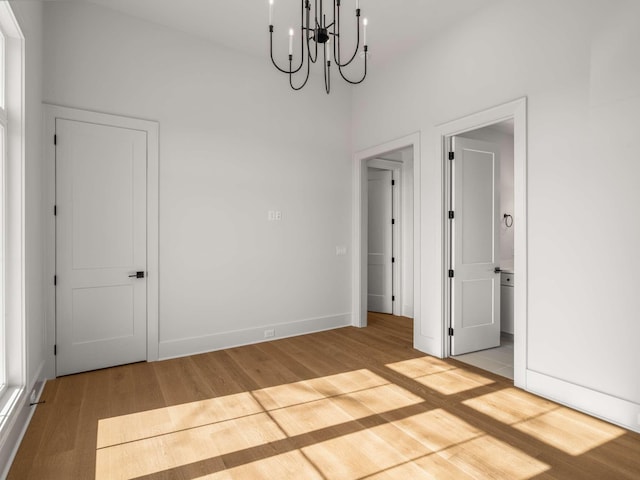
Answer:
(12, 320)
(3, 129)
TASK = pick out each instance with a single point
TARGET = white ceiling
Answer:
(394, 25)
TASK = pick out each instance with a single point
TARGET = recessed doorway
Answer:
(386, 267)
(472, 272)
(483, 324)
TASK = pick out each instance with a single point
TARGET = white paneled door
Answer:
(101, 317)
(380, 239)
(475, 249)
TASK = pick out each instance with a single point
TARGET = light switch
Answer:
(341, 250)
(274, 215)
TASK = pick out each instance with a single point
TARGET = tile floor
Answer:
(497, 360)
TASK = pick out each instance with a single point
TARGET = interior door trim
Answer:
(516, 110)
(51, 113)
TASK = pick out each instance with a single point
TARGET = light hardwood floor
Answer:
(342, 404)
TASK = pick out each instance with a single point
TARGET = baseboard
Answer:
(218, 341)
(19, 421)
(607, 407)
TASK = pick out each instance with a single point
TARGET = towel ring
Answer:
(508, 220)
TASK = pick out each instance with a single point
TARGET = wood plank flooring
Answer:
(343, 404)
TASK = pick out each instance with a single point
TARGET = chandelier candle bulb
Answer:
(291, 41)
(365, 22)
(270, 12)
(328, 51)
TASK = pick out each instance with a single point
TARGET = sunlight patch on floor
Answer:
(454, 381)
(429, 467)
(286, 466)
(151, 423)
(164, 452)
(438, 429)
(317, 388)
(348, 440)
(308, 417)
(161, 439)
(510, 405)
(391, 453)
(488, 457)
(362, 453)
(572, 432)
(439, 375)
(420, 367)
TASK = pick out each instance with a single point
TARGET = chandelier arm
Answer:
(274, 61)
(311, 57)
(336, 37)
(337, 59)
(363, 76)
(305, 80)
(303, 4)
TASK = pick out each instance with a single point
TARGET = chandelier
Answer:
(320, 40)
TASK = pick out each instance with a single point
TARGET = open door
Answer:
(475, 246)
(380, 240)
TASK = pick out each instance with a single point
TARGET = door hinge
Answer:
(450, 273)
(55, 349)
(55, 210)
(55, 139)
(451, 155)
(451, 214)
(393, 221)
(393, 259)
(393, 298)
(55, 279)
(450, 332)
(393, 182)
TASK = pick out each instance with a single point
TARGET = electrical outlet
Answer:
(269, 333)
(278, 215)
(341, 250)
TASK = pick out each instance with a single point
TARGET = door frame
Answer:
(396, 169)
(360, 240)
(516, 110)
(151, 128)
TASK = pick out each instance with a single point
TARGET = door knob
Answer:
(137, 275)
(497, 270)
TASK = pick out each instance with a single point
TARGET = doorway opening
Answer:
(482, 254)
(385, 225)
(385, 230)
(476, 225)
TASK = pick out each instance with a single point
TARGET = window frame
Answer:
(3, 157)
(12, 268)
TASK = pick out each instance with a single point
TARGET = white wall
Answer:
(235, 142)
(504, 142)
(578, 64)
